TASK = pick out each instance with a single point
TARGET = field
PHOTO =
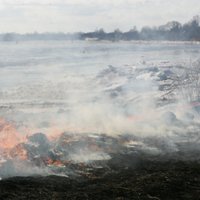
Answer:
(99, 120)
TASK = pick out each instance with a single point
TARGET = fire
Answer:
(19, 152)
(57, 163)
(9, 136)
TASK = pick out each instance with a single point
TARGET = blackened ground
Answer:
(123, 178)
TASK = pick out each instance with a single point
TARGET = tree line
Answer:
(171, 31)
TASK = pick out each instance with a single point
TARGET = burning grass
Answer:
(101, 167)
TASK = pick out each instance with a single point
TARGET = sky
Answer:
(24, 16)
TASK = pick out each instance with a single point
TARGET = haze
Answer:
(87, 15)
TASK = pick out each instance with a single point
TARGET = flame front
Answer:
(9, 136)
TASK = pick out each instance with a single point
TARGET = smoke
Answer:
(22, 168)
(116, 101)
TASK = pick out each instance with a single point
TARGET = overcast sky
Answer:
(85, 15)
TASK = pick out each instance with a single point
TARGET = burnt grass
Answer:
(124, 177)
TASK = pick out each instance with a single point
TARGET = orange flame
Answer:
(57, 163)
(19, 152)
(9, 136)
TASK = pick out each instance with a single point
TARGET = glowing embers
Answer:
(57, 163)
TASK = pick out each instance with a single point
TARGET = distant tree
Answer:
(191, 30)
(147, 33)
(174, 32)
(8, 37)
(118, 35)
(101, 30)
(132, 34)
